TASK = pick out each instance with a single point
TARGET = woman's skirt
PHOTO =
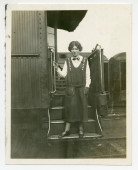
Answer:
(76, 109)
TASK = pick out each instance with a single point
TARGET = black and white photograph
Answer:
(68, 84)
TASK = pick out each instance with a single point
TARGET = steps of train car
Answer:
(56, 122)
(56, 117)
(91, 128)
(57, 127)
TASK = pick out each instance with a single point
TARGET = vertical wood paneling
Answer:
(25, 37)
(29, 73)
(25, 82)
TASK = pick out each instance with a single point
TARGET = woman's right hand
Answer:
(55, 65)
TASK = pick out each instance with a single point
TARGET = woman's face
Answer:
(75, 51)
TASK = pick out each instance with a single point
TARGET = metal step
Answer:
(58, 126)
(62, 107)
(62, 121)
(75, 136)
(117, 115)
(57, 108)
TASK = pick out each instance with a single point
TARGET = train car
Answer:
(37, 93)
(117, 66)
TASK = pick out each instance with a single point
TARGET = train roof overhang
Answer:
(67, 20)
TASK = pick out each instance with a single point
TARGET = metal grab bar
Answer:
(101, 69)
(53, 80)
(52, 69)
(49, 121)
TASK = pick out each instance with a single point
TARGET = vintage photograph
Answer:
(68, 70)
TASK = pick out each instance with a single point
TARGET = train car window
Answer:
(123, 75)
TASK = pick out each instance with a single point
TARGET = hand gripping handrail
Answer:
(52, 70)
(53, 80)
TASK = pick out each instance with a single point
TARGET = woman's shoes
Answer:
(67, 133)
(64, 134)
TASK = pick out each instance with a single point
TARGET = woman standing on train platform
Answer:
(77, 74)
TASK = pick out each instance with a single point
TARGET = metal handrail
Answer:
(101, 68)
(53, 70)
(53, 81)
(49, 121)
